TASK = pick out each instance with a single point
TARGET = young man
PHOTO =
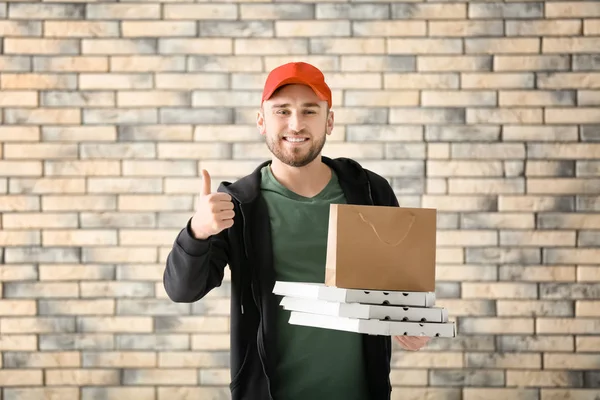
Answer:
(272, 225)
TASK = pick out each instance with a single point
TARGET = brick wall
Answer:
(488, 111)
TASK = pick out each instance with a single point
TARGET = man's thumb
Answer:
(206, 188)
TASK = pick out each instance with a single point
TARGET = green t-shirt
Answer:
(312, 363)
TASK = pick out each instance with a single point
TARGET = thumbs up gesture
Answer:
(214, 211)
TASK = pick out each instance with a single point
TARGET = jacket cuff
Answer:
(192, 246)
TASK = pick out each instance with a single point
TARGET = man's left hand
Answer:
(412, 343)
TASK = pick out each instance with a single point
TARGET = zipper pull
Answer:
(242, 307)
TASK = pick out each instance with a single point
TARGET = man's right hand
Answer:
(214, 211)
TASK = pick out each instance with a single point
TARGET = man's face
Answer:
(295, 123)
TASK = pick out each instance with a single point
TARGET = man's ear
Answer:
(260, 122)
(330, 120)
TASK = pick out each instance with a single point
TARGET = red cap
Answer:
(297, 72)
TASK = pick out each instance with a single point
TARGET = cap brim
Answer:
(289, 81)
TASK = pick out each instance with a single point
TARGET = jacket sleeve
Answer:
(194, 267)
(383, 193)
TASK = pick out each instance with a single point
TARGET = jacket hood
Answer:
(247, 188)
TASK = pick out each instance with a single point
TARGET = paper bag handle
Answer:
(412, 221)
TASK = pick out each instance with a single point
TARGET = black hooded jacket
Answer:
(194, 267)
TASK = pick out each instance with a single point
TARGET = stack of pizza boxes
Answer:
(379, 275)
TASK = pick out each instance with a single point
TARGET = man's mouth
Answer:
(295, 139)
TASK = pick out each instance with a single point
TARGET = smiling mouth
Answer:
(295, 139)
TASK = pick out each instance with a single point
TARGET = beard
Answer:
(295, 156)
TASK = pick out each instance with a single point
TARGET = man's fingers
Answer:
(225, 215)
(206, 188)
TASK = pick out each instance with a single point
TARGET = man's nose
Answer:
(295, 122)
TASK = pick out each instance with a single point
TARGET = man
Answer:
(272, 225)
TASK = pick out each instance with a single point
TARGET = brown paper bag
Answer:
(381, 248)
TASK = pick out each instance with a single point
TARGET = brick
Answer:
(543, 28)
(82, 377)
(45, 151)
(174, 115)
(16, 377)
(587, 343)
(38, 289)
(177, 219)
(19, 238)
(572, 45)
(568, 221)
(119, 255)
(39, 116)
(462, 133)
(117, 150)
(36, 325)
(18, 99)
(131, 359)
(169, 342)
(141, 133)
(45, 11)
(431, 116)
(238, 29)
(428, 11)
(208, 63)
(70, 64)
(78, 134)
(457, 99)
(563, 9)
(81, 29)
(591, 27)
(78, 341)
(122, 11)
(579, 394)
(455, 63)
(115, 289)
(79, 238)
(503, 361)
(466, 28)
(190, 324)
(293, 11)
(499, 290)
(224, 98)
(158, 28)
(115, 393)
(389, 28)
(574, 80)
(427, 360)
(550, 168)
(118, 220)
(591, 274)
(507, 255)
(156, 237)
(571, 290)
(463, 168)
(18, 342)
(537, 98)
(76, 307)
(160, 376)
(196, 46)
(41, 393)
(38, 81)
(147, 63)
(528, 63)
(208, 341)
(588, 97)
(153, 168)
(539, 133)
(47, 185)
(587, 203)
(16, 307)
(497, 80)
(535, 308)
(544, 378)
(19, 134)
(352, 11)
(386, 133)
(575, 151)
(20, 28)
(486, 185)
(161, 98)
(40, 46)
(590, 133)
(119, 46)
(538, 239)
(459, 203)
(81, 168)
(120, 116)
(221, 377)
(19, 203)
(347, 46)
(30, 220)
(191, 81)
(575, 256)
(580, 115)
(15, 64)
(151, 307)
(200, 11)
(70, 272)
(428, 46)
(115, 324)
(566, 326)
(498, 326)
(488, 150)
(77, 99)
(537, 343)
(466, 378)
(420, 81)
(586, 308)
(583, 62)
(375, 98)
(505, 11)
(570, 361)
(403, 151)
(305, 29)
(166, 393)
(154, 203)
(41, 360)
(500, 394)
(469, 308)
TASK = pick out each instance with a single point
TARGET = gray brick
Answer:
(591, 379)
(536, 308)
(153, 342)
(118, 220)
(196, 116)
(488, 151)
(524, 343)
(117, 150)
(236, 29)
(76, 341)
(221, 63)
(41, 255)
(465, 343)
(45, 11)
(590, 133)
(405, 151)
(586, 62)
(22, 28)
(450, 377)
(554, 220)
(225, 98)
(408, 185)
(17, 64)
(41, 325)
(436, 133)
(447, 220)
(120, 116)
(447, 290)
(588, 168)
(3, 10)
(124, 185)
(575, 291)
(77, 99)
(514, 168)
(277, 11)
(563, 168)
(118, 392)
(396, 167)
(385, 133)
(172, 219)
(384, 63)
(151, 307)
(495, 255)
(116, 289)
(119, 46)
(149, 133)
(506, 10)
(406, 115)
(500, 360)
(588, 203)
(353, 11)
